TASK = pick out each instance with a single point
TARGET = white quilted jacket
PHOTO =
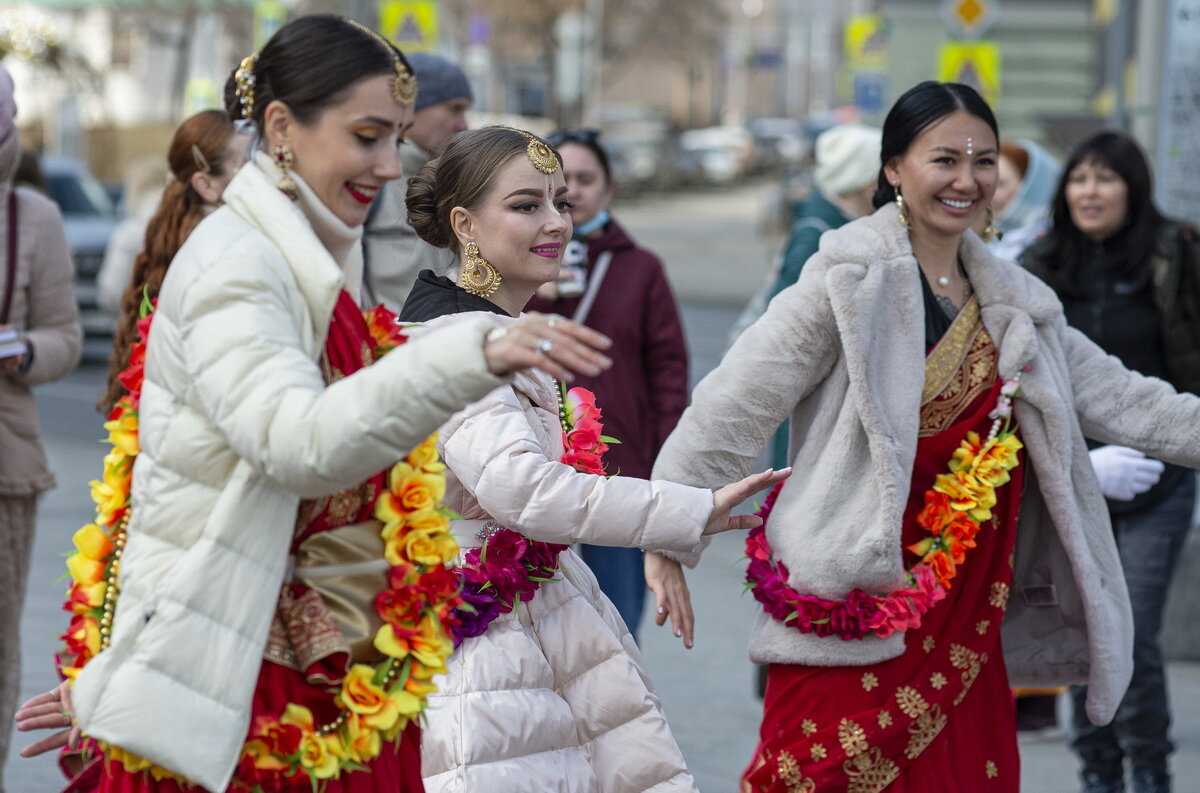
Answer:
(553, 697)
(237, 426)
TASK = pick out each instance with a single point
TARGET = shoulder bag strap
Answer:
(589, 297)
(10, 280)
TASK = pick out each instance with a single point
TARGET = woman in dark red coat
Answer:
(621, 290)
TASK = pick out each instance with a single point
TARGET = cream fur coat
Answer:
(841, 353)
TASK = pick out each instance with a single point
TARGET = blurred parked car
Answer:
(781, 144)
(715, 155)
(89, 219)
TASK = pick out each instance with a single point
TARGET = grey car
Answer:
(89, 218)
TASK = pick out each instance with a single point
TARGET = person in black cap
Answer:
(394, 254)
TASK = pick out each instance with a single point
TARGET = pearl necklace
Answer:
(943, 280)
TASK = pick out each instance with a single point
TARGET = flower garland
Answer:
(959, 503)
(417, 609)
(508, 567)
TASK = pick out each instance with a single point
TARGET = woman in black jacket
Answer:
(1126, 277)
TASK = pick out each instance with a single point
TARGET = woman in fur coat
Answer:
(945, 534)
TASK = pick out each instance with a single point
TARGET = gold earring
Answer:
(284, 159)
(990, 232)
(479, 276)
(903, 216)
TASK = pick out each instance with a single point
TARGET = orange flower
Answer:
(83, 598)
(123, 432)
(942, 566)
(936, 513)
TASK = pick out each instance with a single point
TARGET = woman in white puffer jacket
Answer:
(549, 696)
(241, 422)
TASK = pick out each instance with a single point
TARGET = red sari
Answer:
(939, 718)
(348, 348)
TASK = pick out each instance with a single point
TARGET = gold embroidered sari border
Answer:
(948, 354)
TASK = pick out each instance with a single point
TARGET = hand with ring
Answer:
(554, 344)
(49, 711)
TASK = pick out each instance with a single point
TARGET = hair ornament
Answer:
(404, 84)
(540, 155)
(244, 80)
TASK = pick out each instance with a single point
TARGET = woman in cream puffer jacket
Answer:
(551, 697)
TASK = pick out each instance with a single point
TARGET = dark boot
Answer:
(1150, 781)
(1096, 782)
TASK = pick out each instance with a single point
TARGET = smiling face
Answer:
(588, 189)
(1097, 198)
(349, 150)
(948, 175)
(521, 225)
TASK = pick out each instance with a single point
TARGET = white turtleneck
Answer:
(342, 241)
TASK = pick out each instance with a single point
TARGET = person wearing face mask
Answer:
(40, 341)
(945, 534)
(394, 252)
(283, 598)
(205, 154)
(1126, 278)
(621, 290)
(546, 690)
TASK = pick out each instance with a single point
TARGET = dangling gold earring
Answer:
(284, 159)
(479, 276)
(990, 232)
(903, 210)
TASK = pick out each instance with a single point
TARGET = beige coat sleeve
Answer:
(1116, 405)
(738, 406)
(494, 452)
(52, 316)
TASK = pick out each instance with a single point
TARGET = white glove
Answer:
(1124, 472)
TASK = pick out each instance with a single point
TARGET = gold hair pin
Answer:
(244, 84)
(404, 84)
(539, 154)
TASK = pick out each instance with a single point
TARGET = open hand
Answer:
(664, 578)
(557, 346)
(728, 497)
(49, 711)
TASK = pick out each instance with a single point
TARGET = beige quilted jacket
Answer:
(553, 697)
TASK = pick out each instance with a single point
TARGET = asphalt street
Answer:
(717, 256)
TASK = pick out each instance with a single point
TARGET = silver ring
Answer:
(496, 334)
(553, 320)
(544, 346)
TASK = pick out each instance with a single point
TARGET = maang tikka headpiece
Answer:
(404, 84)
(540, 155)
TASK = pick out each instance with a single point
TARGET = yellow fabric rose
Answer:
(425, 456)
(369, 701)
(422, 547)
(93, 542)
(415, 489)
(123, 433)
(318, 755)
(364, 742)
(84, 570)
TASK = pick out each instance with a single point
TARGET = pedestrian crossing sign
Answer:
(975, 63)
(411, 24)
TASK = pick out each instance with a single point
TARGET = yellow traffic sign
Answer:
(976, 63)
(969, 19)
(411, 24)
(865, 40)
(269, 16)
